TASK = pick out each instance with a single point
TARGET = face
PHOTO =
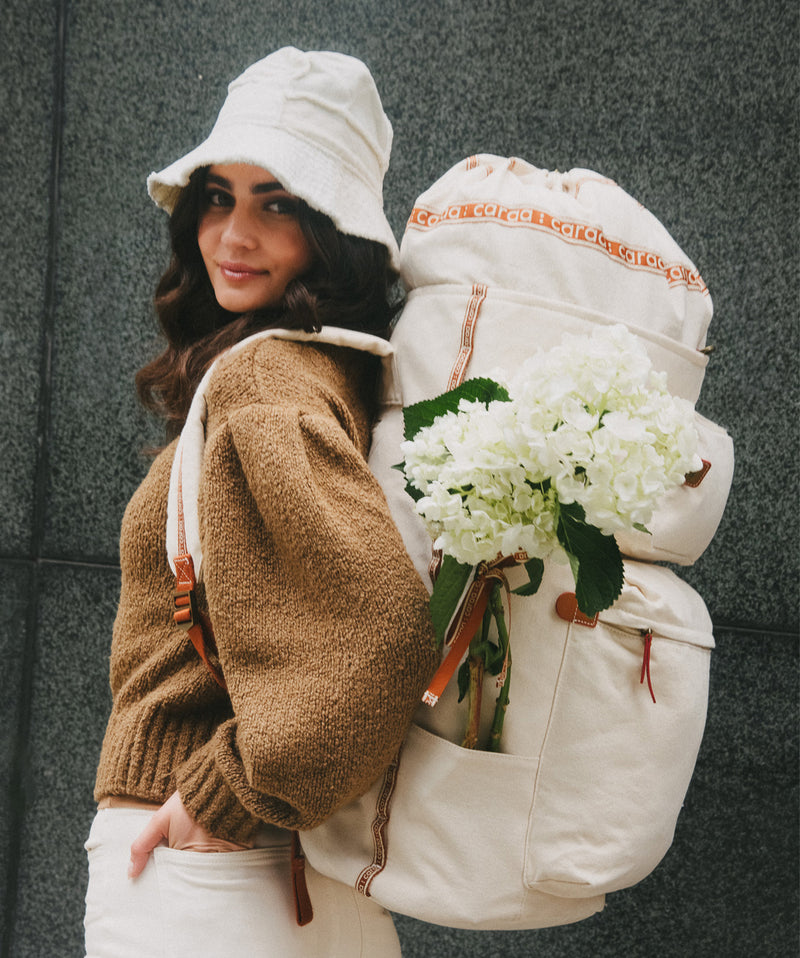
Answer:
(250, 238)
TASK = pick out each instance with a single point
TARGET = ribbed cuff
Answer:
(210, 800)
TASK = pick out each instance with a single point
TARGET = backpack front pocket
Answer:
(614, 765)
(456, 840)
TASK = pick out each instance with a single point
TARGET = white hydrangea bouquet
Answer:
(580, 444)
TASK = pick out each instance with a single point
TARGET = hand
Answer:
(174, 826)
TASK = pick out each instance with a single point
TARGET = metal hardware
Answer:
(186, 614)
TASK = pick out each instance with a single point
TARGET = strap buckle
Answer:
(186, 614)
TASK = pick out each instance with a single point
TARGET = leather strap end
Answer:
(304, 911)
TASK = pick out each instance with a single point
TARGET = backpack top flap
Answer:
(575, 238)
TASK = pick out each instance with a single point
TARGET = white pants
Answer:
(218, 904)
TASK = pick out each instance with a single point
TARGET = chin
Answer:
(234, 303)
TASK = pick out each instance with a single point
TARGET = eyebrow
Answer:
(267, 187)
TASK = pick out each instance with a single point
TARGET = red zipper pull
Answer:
(647, 635)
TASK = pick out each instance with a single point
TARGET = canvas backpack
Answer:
(606, 715)
(501, 259)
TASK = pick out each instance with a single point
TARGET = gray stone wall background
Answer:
(692, 107)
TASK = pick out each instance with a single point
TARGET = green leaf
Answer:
(421, 414)
(463, 679)
(492, 652)
(415, 493)
(447, 590)
(412, 491)
(595, 560)
(492, 655)
(535, 569)
(641, 528)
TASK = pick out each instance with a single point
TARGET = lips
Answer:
(240, 272)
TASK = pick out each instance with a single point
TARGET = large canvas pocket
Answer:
(452, 851)
(614, 765)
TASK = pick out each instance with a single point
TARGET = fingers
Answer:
(156, 831)
(173, 825)
(181, 829)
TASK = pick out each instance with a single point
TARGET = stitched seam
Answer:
(556, 696)
(468, 325)
(379, 825)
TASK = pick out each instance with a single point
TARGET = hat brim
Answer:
(303, 169)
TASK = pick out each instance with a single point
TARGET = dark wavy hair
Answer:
(350, 284)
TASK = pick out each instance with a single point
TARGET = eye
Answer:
(284, 205)
(218, 198)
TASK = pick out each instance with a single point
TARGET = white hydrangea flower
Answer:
(589, 422)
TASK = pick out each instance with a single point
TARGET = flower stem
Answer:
(476, 673)
(496, 606)
(475, 695)
(500, 711)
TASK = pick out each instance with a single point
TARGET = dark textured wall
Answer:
(692, 107)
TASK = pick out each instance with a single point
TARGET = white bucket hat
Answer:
(315, 121)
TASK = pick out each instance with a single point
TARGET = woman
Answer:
(323, 640)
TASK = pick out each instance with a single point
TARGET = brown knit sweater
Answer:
(320, 619)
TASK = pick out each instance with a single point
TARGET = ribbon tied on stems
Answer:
(468, 630)
(466, 621)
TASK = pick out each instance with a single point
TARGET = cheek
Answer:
(297, 255)
(205, 240)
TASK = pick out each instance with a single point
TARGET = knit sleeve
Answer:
(320, 619)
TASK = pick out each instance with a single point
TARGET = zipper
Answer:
(567, 609)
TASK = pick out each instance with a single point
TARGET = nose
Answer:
(240, 229)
